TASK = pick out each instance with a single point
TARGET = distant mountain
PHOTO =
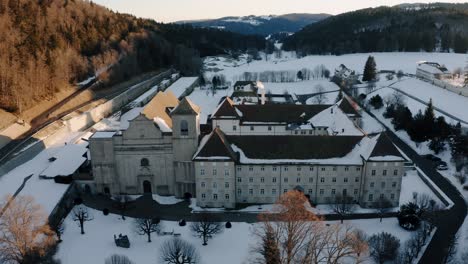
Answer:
(260, 25)
(406, 27)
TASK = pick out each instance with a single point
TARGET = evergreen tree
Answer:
(376, 102)
(403, 118)
(429, 121)
(370, 70)
(300, 76)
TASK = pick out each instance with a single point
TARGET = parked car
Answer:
(442, 165)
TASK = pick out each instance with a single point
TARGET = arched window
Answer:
(144, 162)
(183, 128)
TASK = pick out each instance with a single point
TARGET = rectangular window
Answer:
(215, 172)
(384, 172)
(285, 179)
(226, 196)
(203, 196)
(239, 168)
(262, 191)
(382, 184)
(371, 197)
(311, 168)
(262, 168)
(393, 184)
(321, 191)
(251, 179)
(311, 132)
(299, 168)
(226, 185)
(346, 168)
(215, 196)
(356, 179)
(262, 179)
(251, 191)
(334, 168)
(392, 196)
(303, 132)
(355, 191)
(239, 179)
(358, 168)
(322, 179)
(252, 128)
(373, 172)
(215, 185)
(311, 179)
(202, 172)
(382, 196)
(298, 180)
(345, 179)
(286, 168)
(334, 179)
(323, 168)
(234, 128)
(285, 190)
(269, 128)
(274, 179)
(239, 191)
(333, 191)
(203, 185)
(250, 168)
(273, 191)
(296, 132)
(226, 172)
(395, 172)
(274, 168)
(345, 192)
(309, 191)
(372, 184)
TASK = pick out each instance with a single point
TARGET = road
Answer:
(448, 221)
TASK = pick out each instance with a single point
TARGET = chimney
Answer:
(261, 87)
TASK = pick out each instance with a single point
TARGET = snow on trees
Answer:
(147, 226)
(81, 215)
(205, 227)
(178, 251)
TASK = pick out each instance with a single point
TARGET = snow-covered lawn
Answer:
(303, 87)
(405, 61)
(230, 247)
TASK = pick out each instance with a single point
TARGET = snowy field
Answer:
(230, 247)
(405, 61)
(298, 88)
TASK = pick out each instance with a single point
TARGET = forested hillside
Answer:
(442, 27)
(46, 45)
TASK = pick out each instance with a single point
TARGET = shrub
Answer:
(376, 102)
(409, 216)
(182, 222)
(105, 211)
(228, 225)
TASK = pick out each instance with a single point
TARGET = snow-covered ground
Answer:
(303, 87)
(179, 87)
(232, 246)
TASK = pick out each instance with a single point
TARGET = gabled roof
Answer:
(243, 83)
(347, 107)
(215, 146)
(295, 147)
(384, 149)
(283, 113)
(158, 106)
(226, 109)
(186, 107)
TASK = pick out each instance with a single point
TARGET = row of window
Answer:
(382, 196)
(286, 168)
(214, 172)
(384, 172)
(382, 184)
(215, 196)
(270, 128)
(298, 179)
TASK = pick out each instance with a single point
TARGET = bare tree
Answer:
(206, 226)
(342, 205)
(25, 236)
(118, 259)
(177, 251)
(451, 250)
(321, 97)
(147, 226)
(383, 247)
(359, 244)
(383, 205)
(81, 215)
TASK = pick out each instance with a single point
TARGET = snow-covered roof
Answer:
(179, 87)
(336, 121)
(67, 161)
(104, 134)
(162, 125)
(433, 68)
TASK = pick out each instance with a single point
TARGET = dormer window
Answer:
(184, 128)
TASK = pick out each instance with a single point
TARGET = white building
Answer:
(432, 70)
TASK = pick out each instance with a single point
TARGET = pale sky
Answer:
(175, 10)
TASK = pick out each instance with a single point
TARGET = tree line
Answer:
(386, 29)
(48, 45)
